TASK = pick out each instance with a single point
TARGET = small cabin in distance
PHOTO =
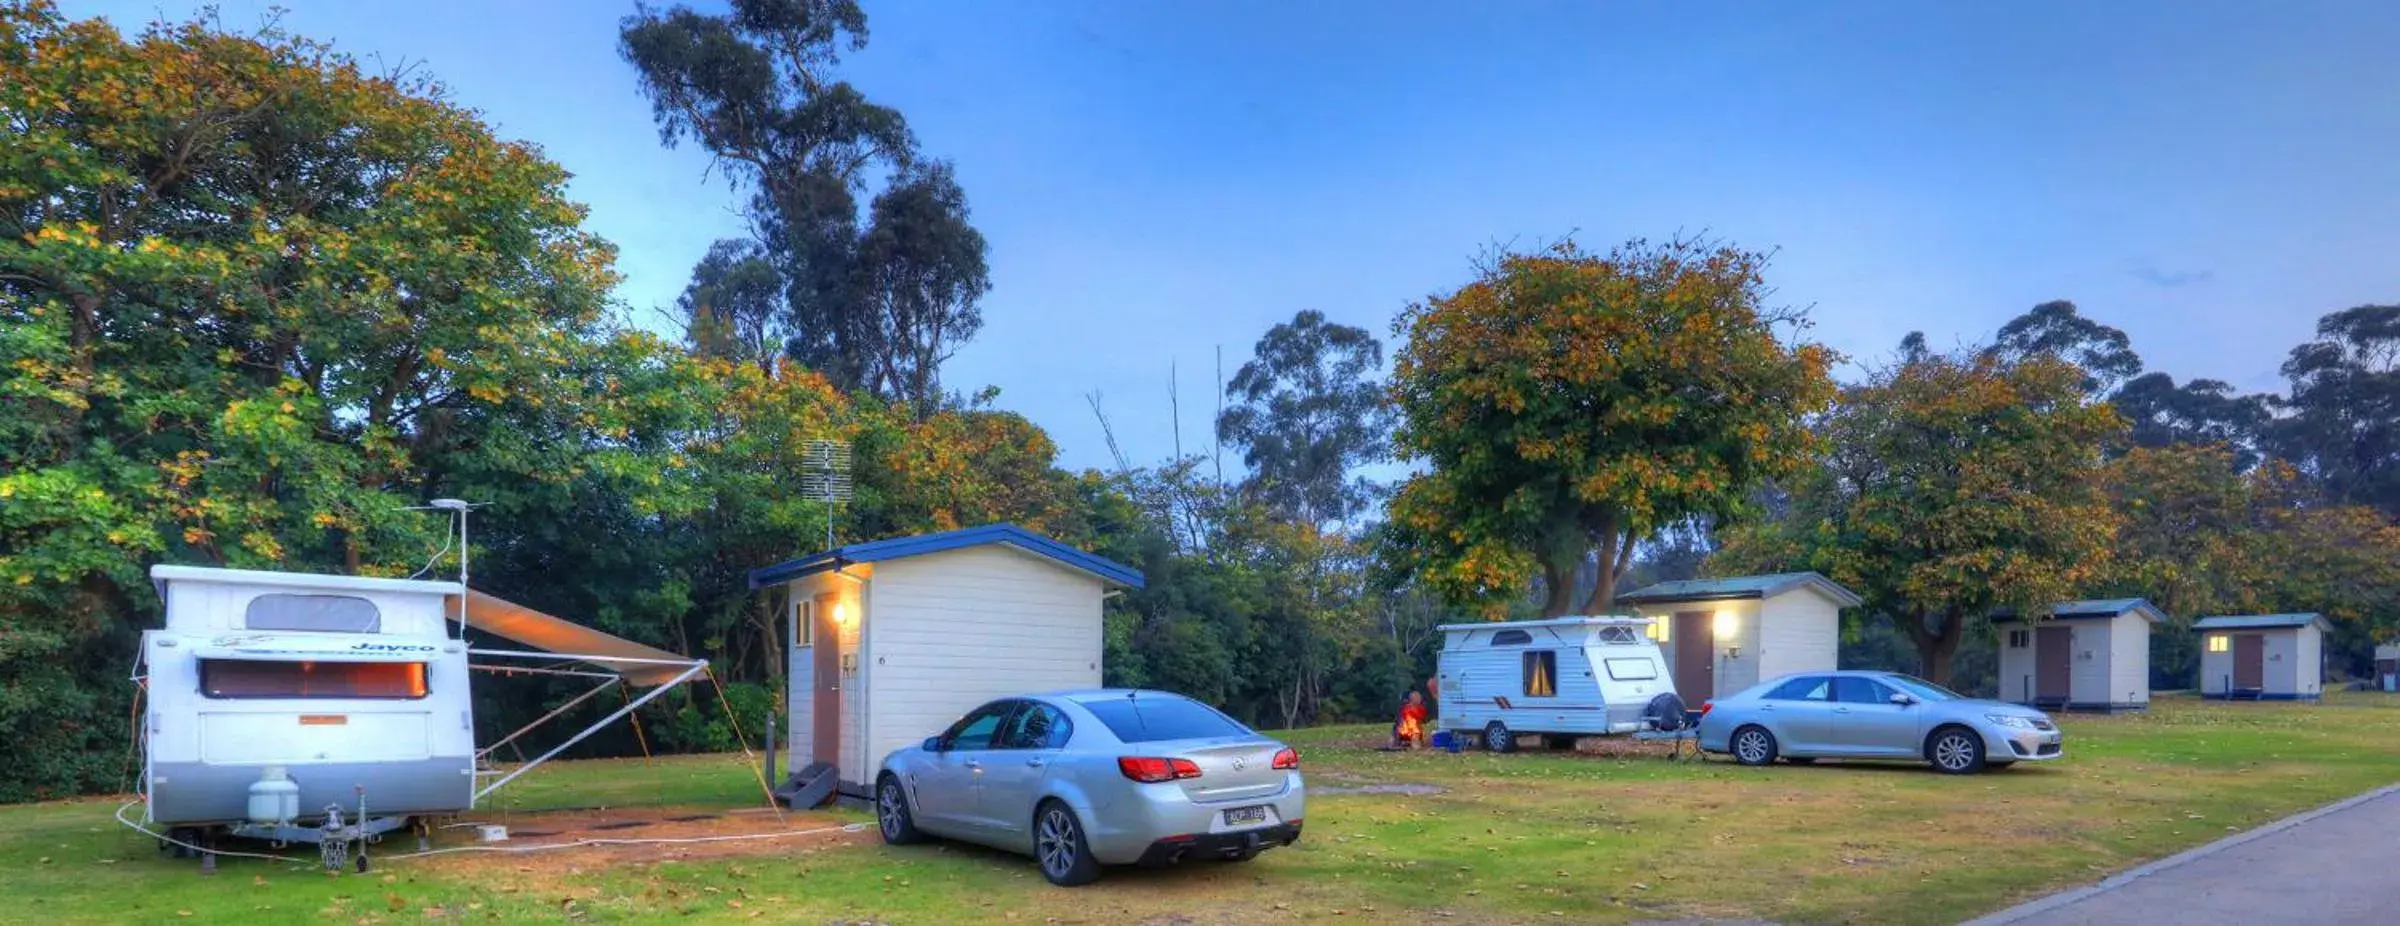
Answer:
(892, 640)
(2263, 657)
(1723, 635)
(2086, 656)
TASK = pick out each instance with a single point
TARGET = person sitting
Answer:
(1410, 731)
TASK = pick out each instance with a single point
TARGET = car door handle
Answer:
(974, 766)
(1841, 710)
(1766, 707)
(1033, 763)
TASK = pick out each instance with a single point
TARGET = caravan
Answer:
(1563, 678)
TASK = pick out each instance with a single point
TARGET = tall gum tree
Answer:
(1565, 404)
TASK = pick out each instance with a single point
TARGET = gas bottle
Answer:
(274, 797)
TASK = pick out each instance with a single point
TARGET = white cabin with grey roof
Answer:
(2263, 657)
(1723, 635)
(2085, 656)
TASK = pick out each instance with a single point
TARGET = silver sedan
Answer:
(1875, 715)
(1083, 779)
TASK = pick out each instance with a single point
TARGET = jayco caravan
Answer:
(1565, 677)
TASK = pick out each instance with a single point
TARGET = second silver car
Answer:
(1875, 715)
(1083, 779)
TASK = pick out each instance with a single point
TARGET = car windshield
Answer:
(1924, 690)
(1150, 719)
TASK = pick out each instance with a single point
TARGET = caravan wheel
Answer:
(1497, 738)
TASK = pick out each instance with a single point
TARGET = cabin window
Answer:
(804, 625)
(1511, 638)
(252, 678)
(1619, 635)
(1632, 670)
(2020, 639)
(322, 613)
(2220, 643)
(1541, 674)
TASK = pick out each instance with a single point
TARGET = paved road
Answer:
(2328, 867)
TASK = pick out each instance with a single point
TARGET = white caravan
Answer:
(346, 687)
(1564, 678)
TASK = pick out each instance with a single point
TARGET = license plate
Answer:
(1241, 815)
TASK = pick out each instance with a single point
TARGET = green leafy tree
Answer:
(2056, 329)
(2341, 421)
(1951, 487)
(1308, 411)
(2201, 412)
(1566, 404)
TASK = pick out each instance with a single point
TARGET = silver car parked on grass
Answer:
(1875, 715)
(1090, 778)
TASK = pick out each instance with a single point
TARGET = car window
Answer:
(978, 728)
(1925, 690)
(1850, 689)
(1038, 726)
(1146, 719)
(1805, 688)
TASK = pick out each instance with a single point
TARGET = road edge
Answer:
(2040, 905)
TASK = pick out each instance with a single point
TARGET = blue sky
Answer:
(1160, 179)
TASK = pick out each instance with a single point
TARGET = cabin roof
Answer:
(1736, 587)
(2261, 621)
(2097, 607)
(1106, 570)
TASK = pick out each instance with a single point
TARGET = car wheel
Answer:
(1753, 745)
(1059, 847)
(892, 816)
(1955, 750)
(1801, 760)
(1497, 738)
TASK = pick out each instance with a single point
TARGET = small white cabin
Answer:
(339, 682)
(891, 641)
(2387, 667)
(1723, 635)
(2086, 656)
(1568, 676)
(2263, 657)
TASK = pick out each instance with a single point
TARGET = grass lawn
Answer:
(1529, 837)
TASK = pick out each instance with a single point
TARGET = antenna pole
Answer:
(463, 591)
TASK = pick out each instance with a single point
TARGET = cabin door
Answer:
(2053, 661)
(826, 669)
(1695, 641)
(2249, 661)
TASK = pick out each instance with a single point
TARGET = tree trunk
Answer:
(1616, 553)
(1558, 583)
(1936, 649)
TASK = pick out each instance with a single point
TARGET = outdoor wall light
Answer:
(841, 615)
(1727, 624)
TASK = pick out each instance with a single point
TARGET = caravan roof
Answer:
(1608, 621)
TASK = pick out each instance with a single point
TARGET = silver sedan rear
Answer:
(1875, 715)
(1084, 779)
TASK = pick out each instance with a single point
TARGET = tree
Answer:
(2341, 422)
(2054, 328)
(1566, 404)
(2201, 412)
(734, 305)
(878, 308)
(1952, 486)
(1308, 410)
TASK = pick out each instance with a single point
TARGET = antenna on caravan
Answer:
(459, 508)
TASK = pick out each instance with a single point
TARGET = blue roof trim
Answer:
(2262, 622)
(1107, 570)
(2100, 608)
(1762, 586)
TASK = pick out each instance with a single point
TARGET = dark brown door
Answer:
(1695, 640)
(2249, 661)
(827, 670)
(2053, 662)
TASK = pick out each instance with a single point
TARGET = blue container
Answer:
(1443, 741)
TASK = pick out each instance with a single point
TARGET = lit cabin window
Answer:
(1657, 631)
(1541, 674)
(1511, 638)
(321, 613)
(2220, 643)
(259, 678)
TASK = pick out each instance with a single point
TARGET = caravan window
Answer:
(1632, 670)
(1618, 635)
(250, 678)
(1511, 638)
(324, 613)
(1541, 674)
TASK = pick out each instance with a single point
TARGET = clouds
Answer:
(2171, 279)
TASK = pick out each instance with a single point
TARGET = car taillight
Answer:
(1705, 706)
(1288, 758)
(1151, 770)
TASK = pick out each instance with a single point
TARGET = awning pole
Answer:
(692, 669)
(546, 718)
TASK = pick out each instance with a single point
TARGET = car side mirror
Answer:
(1903, 699)
(934, 744)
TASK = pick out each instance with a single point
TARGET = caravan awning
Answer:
(640, 664)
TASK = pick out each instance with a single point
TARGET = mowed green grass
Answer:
(1532, 837)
